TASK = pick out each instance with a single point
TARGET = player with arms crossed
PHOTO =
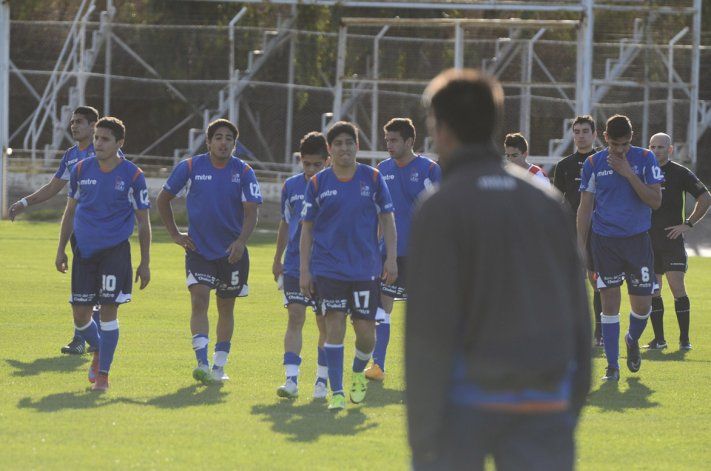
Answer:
(340, 257)
(407, 175)
(81, 125)
(313, 157)
(222, 203)
(620, 186)
(668, 227)
(566, 178)
(104, 194)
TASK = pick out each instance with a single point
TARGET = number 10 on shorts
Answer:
(108, 282)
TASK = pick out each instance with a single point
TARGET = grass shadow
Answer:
(379, 396)
(679, 355)
(189, 396)
(56, 364)
(68, 400)
(307, 422)
(608, 396)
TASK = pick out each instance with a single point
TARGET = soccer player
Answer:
(313, 157)
(105, 192)
(497, 339)
(566, 178)
(222, 203)
(620, 186)
(407, 175)
(516, 152)
(340, 257)
(668, 227)
(82, 125)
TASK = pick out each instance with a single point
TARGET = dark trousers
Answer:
(516, 441)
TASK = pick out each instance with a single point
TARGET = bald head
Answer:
(661, 145)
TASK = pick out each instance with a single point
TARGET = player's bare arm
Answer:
(166, 215)
(583, 220)
(236, 248)
(143, 272)
(282, 239)
(387, 225)
(47, 191)
(651, 195)
(703, 202)
(307, 238)
(65, 231)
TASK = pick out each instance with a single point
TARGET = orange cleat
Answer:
(102, 382)
(374, 373)
(94, 368)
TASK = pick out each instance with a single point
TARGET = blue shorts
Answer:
(624, 258)
(360, 299)
(229, 279)
(293, 294)
(104, 278)
(396, 290)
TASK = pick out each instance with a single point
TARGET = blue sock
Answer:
(382, 338)
(322, 366)
(637, 324)
(96, 315)
(89, 333)
(611, 338)
(109, 340)
(200, 342)
(222, 350)
(360, 361)
(334, 358)
(292, 362)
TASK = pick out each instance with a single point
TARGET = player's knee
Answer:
(297, 317)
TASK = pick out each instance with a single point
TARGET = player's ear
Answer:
(120, 143)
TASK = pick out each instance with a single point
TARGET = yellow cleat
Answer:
(374, 373)
(338, 402)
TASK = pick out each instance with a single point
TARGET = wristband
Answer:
(688, 222)
(24, 202)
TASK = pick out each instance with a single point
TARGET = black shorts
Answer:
(669, 254)
(624, 258)
(360, 299)
(396, 290)
(229, 279)
(104, 278)
(293, 294)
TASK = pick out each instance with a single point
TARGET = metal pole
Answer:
(670, 80)
(233, 73)
(108, 16)
(587, 25)
(694, 105)
(340, 72)
(81, 76)
(4, 101)
(524, 118)
(645, 99)
(458, 45)
(290, 99)
(374, 131)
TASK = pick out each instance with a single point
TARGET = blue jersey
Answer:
(292, 202)
(106, 202)
(345, 223)
(214, 201)
(405, 184)
(70, 158)
(619, 212)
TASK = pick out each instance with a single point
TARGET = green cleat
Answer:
(358, 388)
(338, 402)
(202, 374)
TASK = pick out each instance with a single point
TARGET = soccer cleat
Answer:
(202, 374)
(320, 390)
(338, 402)
(218, 374)
(75, 347)
(288, 390)
(598, 342)
(102, 382)
(684, 345)
(634, 359)
(358, 388)
(374, 372)
(94, 368)
(656, 345)
(611, 374)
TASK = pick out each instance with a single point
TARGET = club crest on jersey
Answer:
(364, 189)
(235, 178)
(120, 185)
(415, 177)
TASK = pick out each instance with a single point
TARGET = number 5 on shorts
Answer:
(235, 278)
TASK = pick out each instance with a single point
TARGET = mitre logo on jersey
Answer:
(72, 162)
(603, 173)
(364, 189)
(415, 177)
(296, 198)
(235, 178)
(327, 193)
(120, 185)
(388, 177)
(203, 177)
(87, 181)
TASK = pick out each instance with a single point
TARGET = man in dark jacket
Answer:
(498, 332)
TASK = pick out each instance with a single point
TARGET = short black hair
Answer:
(114, 125)
(584, 119)
(221, 123)
(342, 127)
(314, 143)
(517, 141)
(618, 126)
(89, 112)
(468, 101)
(403, 126)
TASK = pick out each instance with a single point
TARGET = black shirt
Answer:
(678, 180)
(566, 177)
(494, 280)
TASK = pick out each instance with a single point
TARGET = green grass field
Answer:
(155, 416)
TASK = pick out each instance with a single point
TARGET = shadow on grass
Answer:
(679, 355)
(194, 395)
(56, 364)
(609, 397)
